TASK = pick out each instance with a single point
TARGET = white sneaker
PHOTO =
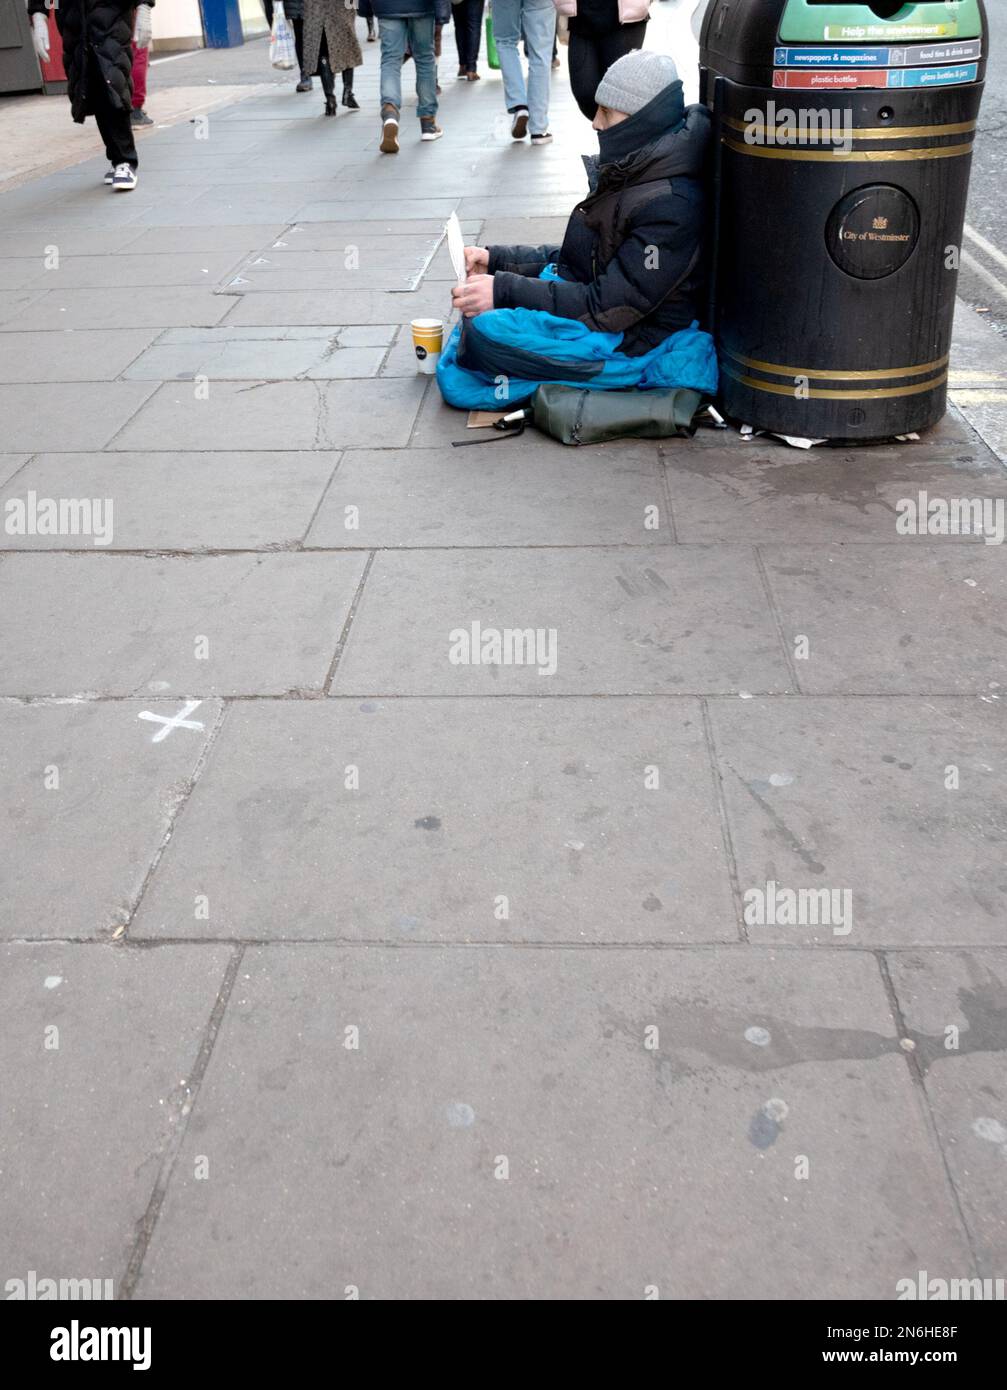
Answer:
(124, 178)
(389, 136)
(545, 139)
(519, 125)
(110, 174)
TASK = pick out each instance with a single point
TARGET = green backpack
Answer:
(576, 416)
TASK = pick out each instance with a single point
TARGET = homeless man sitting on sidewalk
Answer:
(617, 305)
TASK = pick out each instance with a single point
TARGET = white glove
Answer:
(40, 36)
(142, 28)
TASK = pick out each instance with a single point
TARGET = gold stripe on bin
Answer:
(805, 154)
(905, 132)
(817, 374)
(774, 388)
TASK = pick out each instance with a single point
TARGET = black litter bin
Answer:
(844, 147)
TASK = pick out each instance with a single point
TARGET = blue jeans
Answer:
(537, 21)
(419, 33)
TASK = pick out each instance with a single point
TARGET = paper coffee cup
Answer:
(428, 339)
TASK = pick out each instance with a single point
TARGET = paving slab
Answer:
(523, 231)
(557, 820)
(540, 494)
(652, 620)
(897, 619)
(362, 262)
(359, 209)
(173, 240)
(10, 464)
(90, 802)
(18, 273)
(955, 1007)
(985, 409)
(335, 308)
(271, 622)
(855, 795)
(276, 415)
(559, 204)
(683, 1180)
(119, 308)
(14, 302)
(951, 432)
(758, 495)
(73, 355)
(93, 241)
(140, 271)
(68, 415)
(333, 236)
(180, 501)
(236, 354)
(94, 1114)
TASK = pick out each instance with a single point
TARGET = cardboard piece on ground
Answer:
(484, 419)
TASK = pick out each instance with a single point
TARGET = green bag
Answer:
(492, 56)
(575, 416)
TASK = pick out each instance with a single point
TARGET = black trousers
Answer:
(468, 18)
(328, 77)
(298, 27)
(592, 54)
(114, 126)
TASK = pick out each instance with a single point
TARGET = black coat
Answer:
(633, 260)
(104, 27)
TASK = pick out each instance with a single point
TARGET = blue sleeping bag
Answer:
(499, 359)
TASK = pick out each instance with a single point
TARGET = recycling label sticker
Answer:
(845, 79)
(857, 33)
(922, 55)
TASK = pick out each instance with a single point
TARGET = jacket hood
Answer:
(654, 147)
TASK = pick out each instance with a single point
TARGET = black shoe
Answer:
(349, 100)
(330, 106)
(139, 117)
(304, 85)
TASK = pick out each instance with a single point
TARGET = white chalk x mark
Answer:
(180, 720)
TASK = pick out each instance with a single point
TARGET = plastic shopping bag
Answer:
(282, 53)
(492, 56)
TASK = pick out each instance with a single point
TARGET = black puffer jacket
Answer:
(104, 27)
(633, 260)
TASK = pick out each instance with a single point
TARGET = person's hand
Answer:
(143, 26)
(477, 260)
(475, 296)
(40, 36)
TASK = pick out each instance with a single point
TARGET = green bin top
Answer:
(822, 21)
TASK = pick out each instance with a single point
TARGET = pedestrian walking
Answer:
(330, 46)
(293, 13)
(534, 21)
(468, 22)
(601, 32)
(407, 26)
(366, 11)
(98, 37)
(141, 62)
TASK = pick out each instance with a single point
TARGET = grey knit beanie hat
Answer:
(636, 79)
